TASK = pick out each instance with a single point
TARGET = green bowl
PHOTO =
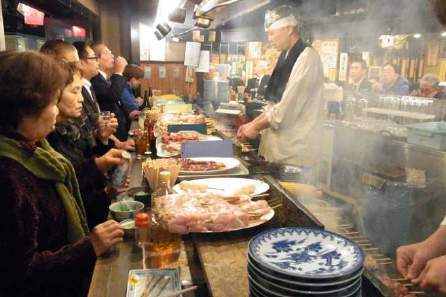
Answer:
(129, 228)
(123, 210)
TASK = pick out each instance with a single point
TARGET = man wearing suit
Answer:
(358, 75)
(109, 88)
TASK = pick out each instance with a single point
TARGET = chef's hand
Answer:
(106, 235)
(433, 276)
(247, 131)
(412, 259)
(128, 145)
(111, 158)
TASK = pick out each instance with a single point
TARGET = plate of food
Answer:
(169, 143)
(208, 165)
(223, 186)
(211, 213)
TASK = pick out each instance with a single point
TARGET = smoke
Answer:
(350, 156)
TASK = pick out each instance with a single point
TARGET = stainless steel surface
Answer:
(368, 197)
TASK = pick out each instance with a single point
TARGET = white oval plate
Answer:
(265, 218)
(306, 253)
(230, 163)
(226, 186)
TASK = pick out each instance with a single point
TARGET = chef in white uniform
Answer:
(290, 126)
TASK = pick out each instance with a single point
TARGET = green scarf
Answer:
(47, 164)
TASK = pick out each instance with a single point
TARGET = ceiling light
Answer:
(417, 35)
(162, 30)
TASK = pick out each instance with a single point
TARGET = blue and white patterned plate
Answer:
(259, 289)
(306, 253)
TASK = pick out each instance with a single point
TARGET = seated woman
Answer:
(131, 104)
(46, 247)
(66, 139)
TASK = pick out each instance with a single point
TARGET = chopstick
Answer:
(176, 293)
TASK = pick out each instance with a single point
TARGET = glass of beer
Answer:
(141, 142)
(164, 247)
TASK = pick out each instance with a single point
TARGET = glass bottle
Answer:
(165, 246)
(142, 229)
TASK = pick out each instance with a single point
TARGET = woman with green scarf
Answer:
(46, 248)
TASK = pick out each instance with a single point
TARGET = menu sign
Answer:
(328, 50)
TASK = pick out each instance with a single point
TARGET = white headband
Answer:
(289, 21)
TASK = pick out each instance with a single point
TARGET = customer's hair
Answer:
(431, 78)
(97, 47)
(29, 81)
(81, 47)
(56, 48)
(72, 69)
(395, 67)
(361, 62)
(133, 71)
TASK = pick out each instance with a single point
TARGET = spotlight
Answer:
(158, 35)
(203, 22)
(178, 15)
(162, 30)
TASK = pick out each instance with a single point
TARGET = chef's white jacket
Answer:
(296, 121)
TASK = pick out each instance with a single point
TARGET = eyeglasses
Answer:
(93, 58)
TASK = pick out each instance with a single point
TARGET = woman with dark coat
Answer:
(46, 247)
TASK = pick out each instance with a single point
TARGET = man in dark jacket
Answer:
(109, 84)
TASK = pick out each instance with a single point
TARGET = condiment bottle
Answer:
(142, 228)
(163, 189)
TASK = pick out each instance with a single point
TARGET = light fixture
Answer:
(158, 35)
(417, 35)
(443, 34)
(178, 15)
(162, 30)
(175, 39)
(203, 22)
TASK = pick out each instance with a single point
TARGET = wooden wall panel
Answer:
(170, 84)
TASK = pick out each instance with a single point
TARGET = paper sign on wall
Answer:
(176, 72)
(192, 54)
(204, 62)
(162, 72)
(343, 66)
(147, 72)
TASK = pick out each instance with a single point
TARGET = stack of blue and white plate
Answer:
(291, 262)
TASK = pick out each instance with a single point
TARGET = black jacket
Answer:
(66, 139)
(108, 94)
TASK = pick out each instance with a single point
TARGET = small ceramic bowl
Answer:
(123, 210)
